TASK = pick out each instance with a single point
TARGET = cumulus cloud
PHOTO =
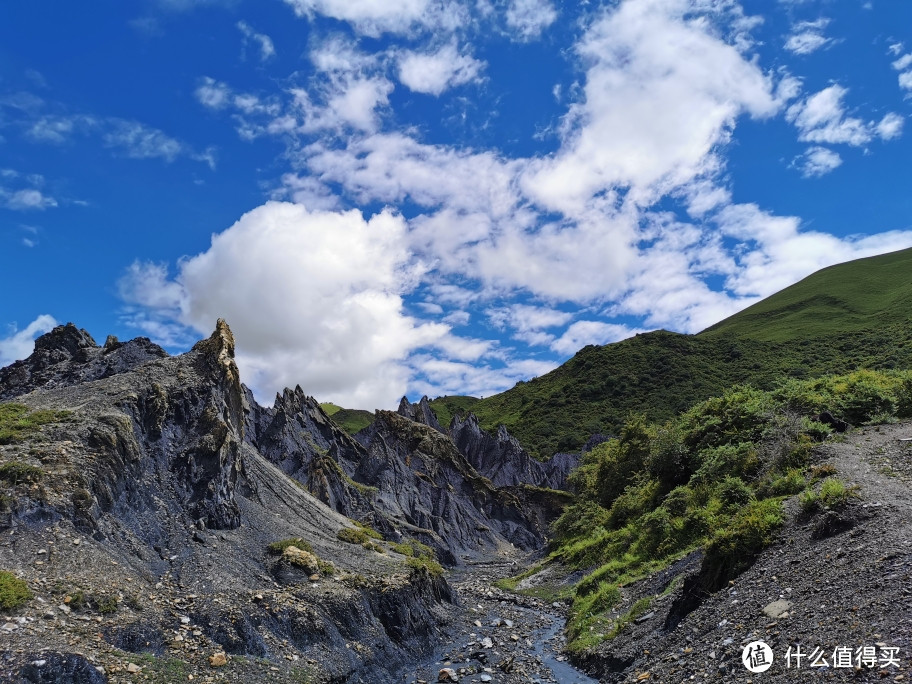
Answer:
(581, 333)
(439, 377)
(313, 297)
(18, 344)
(902, 64)
(821, 118)
(807, 37)
(661, 93)
(435, 72)
(818, 161)
(528, 18)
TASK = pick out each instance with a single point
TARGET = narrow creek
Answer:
(498, 637)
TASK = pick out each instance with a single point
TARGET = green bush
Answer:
(277, 548)
(734, 492)
(14, 592)
(678, 500)
(734, 548)
(735, 460)
(352, 536)
(17, 472)
(783, 484)
(639, 497)
(833, 494)
(620, 460)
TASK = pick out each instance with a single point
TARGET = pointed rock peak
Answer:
(112, 343)
(405, 408)
(220, 343)
(67, 338)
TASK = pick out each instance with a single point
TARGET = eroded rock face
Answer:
(420, 413)
(501, 458)
(425, 483)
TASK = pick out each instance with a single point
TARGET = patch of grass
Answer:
(277, 548)
(18, 422)
(833, 494)
(510, 583)
(636, 610)
(106, 605)
(351, 536)
(368, 530)
(14, 592)
(161, 670)
(431, 566)
(17, 472)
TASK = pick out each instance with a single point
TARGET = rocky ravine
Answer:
(141, 522)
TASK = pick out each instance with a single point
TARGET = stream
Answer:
(499, 637)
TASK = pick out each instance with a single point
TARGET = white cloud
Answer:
(890, 126)
(213, 94)
(818, 161)
(821, 118)
(581, 333)
(661, 93)
(313, 298)
(525, 318)
(807, 37)
(528, 18)
(435, 72)
(19, 344)
(26, 199)
(267, 49)
(440, 377)
(902, 64)
(375, 17)
(139, 141)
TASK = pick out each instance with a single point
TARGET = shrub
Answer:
(620, 460)
(16, 472)
(734, 493)
(783, 484)
(655, 533)
(352, 536)
(14, 592)
(639, 497)
(734, 548)
(678, 500)
(105, 604)
(368, 530)
(735, 460)
(277, 548)
(669, 458)
(866, 395)
(904, 398)
(429, 565)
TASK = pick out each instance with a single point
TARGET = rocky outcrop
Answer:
(298, 436)
(502, 459)
(424, 483)
(420, 413)
(154, 487)
(67, 356)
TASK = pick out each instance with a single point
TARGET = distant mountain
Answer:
(844, 317)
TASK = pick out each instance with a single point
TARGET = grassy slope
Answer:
(844, 317)
(350, 420)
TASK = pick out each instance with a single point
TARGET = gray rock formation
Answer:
(502, 459)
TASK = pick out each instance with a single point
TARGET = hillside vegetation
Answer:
(715, 476)
(850, 316)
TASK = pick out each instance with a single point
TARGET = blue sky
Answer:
(437, 197)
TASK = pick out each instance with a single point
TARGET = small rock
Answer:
(133, 668)
(777, 609)
(487, 643)
(218, 659)
(185, 620)
(447, 674)
(39, 663)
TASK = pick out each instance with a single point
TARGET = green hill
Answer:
(854, 315)
(350, 420)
